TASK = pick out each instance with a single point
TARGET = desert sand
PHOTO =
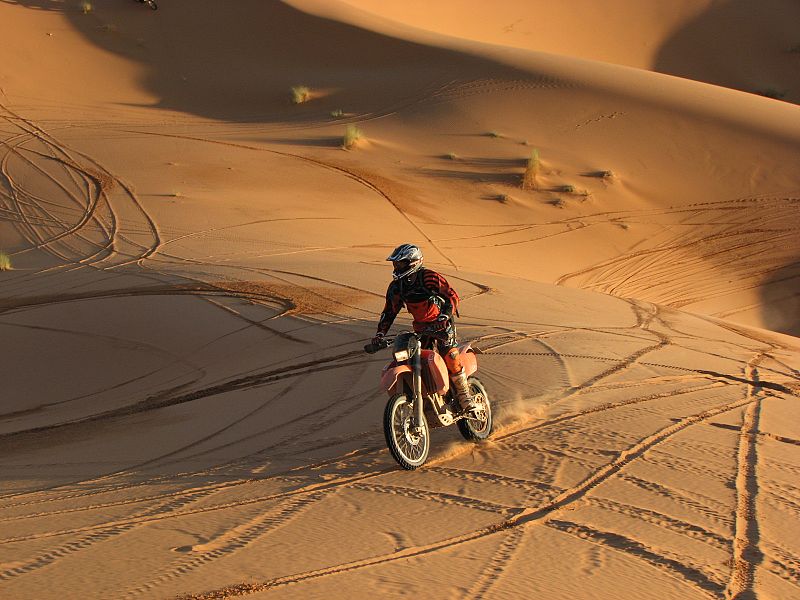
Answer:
(192, 264)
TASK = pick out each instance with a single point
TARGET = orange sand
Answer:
(185, 410)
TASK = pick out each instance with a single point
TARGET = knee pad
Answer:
(453, 361)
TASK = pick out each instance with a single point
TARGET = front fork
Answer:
(416, 385)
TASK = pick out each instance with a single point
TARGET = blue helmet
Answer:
(407, 259)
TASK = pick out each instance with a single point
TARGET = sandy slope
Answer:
(185, 407)
(740, 44)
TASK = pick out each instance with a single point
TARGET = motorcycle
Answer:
(420, 397)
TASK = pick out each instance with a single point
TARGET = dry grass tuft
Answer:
(300, 94)
(337, 114)
(568, 188)
(351, 136)
(87, 8)
(530, 179)
(5, 262)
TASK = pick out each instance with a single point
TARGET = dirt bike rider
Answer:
(431, 302)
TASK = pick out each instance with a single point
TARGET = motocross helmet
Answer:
(406, 259)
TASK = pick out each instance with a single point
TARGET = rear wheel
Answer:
(477, 427)
(408, 444)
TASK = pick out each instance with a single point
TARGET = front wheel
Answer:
(408, 444)
(477, 427)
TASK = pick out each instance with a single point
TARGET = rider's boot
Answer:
(462, 393)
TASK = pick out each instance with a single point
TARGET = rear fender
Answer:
(468, 358)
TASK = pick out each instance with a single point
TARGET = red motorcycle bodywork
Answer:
(468, 358)
(434, 371)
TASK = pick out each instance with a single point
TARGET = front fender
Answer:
(392, 373)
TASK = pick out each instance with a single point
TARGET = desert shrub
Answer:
(337, 114)
(86, 7)
(300, 94)
(5, 262)
(351, 135)
(772, 93)
(532, 169)
(568, 188)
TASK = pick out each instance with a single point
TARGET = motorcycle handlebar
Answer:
(432, 329)
(373, 348)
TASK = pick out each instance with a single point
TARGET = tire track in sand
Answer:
(746, 553)
(96, 535)
(232, 540)
(524, 517)
(708, 582)
(38, 221)
(445, 498)
(97, 181)
(346, 481)
(159, 401)
(495, 479)
(349, 173)
(492, 573)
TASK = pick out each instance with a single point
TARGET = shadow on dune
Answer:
(740, 45)
(329, 141)
(780, 296)
(479, 169)
(511, 163)
(474, 176)
(57, 5)
(237, 61)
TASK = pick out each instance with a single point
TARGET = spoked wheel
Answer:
(408, 445)
(477, 427)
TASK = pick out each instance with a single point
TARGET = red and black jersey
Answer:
(425, 294)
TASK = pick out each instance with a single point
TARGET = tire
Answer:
(409, 449)
(477, 429)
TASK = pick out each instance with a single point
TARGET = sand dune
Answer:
(186, 409)
(739, 44)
